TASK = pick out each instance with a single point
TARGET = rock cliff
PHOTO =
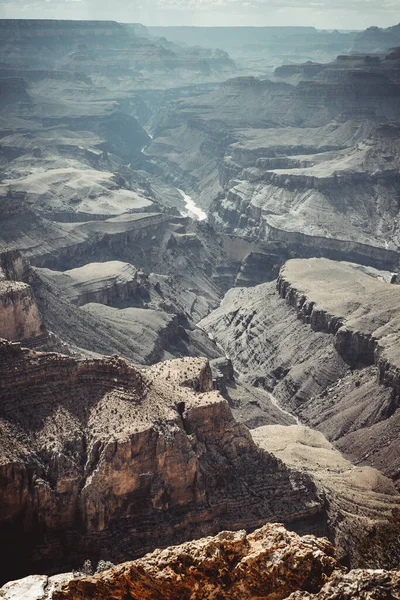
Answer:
(19, 313)
(316, 202)
(102, 460)
(325, 342)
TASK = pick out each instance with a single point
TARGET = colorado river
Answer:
(193, 211)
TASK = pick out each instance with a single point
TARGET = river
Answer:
(192, 210)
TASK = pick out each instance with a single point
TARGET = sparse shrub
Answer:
(104, 565)
(87, 568)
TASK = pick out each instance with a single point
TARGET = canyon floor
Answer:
(199, 312)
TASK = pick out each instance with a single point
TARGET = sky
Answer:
(323, 14)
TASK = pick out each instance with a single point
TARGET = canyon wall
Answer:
(19, 313)
(102, 460)
(325, 343)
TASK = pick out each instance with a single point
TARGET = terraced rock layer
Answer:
(325, 341)
(101, 460)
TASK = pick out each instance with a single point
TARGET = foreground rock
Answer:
(269, 564)
(101, 460)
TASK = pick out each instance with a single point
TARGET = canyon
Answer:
(339, 373)
(199, 311)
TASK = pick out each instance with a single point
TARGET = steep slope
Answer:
(101, 460)
(325, 342)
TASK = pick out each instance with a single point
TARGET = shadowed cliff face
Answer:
(101, 460)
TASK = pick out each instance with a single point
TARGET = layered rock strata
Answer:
(359, 498)
(101, 460)
(314, 190)
(325, 342)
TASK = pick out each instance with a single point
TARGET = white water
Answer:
(143, 150)
(192, 210)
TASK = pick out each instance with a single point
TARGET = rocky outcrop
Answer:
(19, 315)
(358, 584)
(270, 564)
(101, 460)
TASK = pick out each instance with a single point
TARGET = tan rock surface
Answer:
(267, 564)
(358, 497)
(101, 460)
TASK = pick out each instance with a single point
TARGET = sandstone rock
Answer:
(358, 584)
(269, 563)
(121, 460)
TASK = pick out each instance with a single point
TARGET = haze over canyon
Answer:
(199, 309)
